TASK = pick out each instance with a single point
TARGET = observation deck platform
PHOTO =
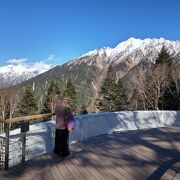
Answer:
(130, 155)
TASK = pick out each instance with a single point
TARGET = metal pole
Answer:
(24, 128)
(23, 136)
(7, 145)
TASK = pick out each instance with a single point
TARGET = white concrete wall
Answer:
(40, 138)
(105, 123)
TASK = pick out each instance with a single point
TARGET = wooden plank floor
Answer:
(143, 154)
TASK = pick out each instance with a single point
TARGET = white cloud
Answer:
(41, 66)
(17, 61)
(50, 57)
(23, 61)
(23, 66)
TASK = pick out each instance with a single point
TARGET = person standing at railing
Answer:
(61, 147)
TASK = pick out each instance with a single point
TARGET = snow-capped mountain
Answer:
(134, 49)
(18, 72)
(89, 70)
(128, 53)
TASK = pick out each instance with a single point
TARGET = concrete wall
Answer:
(40, 138)
(105, 123)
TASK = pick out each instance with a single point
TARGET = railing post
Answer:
(7, 130)
(23, 139)
(24, 128)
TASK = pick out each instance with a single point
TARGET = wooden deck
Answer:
(144, 154)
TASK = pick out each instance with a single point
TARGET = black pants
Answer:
(61, 147)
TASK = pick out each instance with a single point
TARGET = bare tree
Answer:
(13, 99)
(53, 101)
(3, 103)
(150, 86)
(9, 97)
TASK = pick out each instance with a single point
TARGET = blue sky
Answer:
(55, 31)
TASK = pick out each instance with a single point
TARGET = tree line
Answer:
(16, 101)
(154, 88)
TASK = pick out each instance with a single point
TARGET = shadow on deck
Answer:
(141, 154)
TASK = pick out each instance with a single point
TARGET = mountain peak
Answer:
(16, 73)
(130, 48)
(134, 50)
(97, 52)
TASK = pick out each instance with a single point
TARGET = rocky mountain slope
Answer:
(16, 73)
(89, 70)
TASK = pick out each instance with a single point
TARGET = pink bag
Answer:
(70, 120)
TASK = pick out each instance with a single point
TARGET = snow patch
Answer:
(21, 70)
(129, 48)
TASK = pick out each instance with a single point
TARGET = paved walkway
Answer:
(143, 154)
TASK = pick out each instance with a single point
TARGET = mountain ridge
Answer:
(122, 50)
(89, 70)
(18, 72)
(132, 44)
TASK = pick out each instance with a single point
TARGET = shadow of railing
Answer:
(129, 149)
(122, 149)
(138, 154)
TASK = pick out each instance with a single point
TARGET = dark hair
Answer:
(63, 98)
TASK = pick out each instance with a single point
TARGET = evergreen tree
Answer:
(46, 106)
(71, 92)
(164, 57)
(119, 96)
(133, 104)
(28, 104)
(105, 101)
(83, 109)
(171, 98)
(51, 98)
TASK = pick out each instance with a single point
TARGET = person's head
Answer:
(64, 100)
